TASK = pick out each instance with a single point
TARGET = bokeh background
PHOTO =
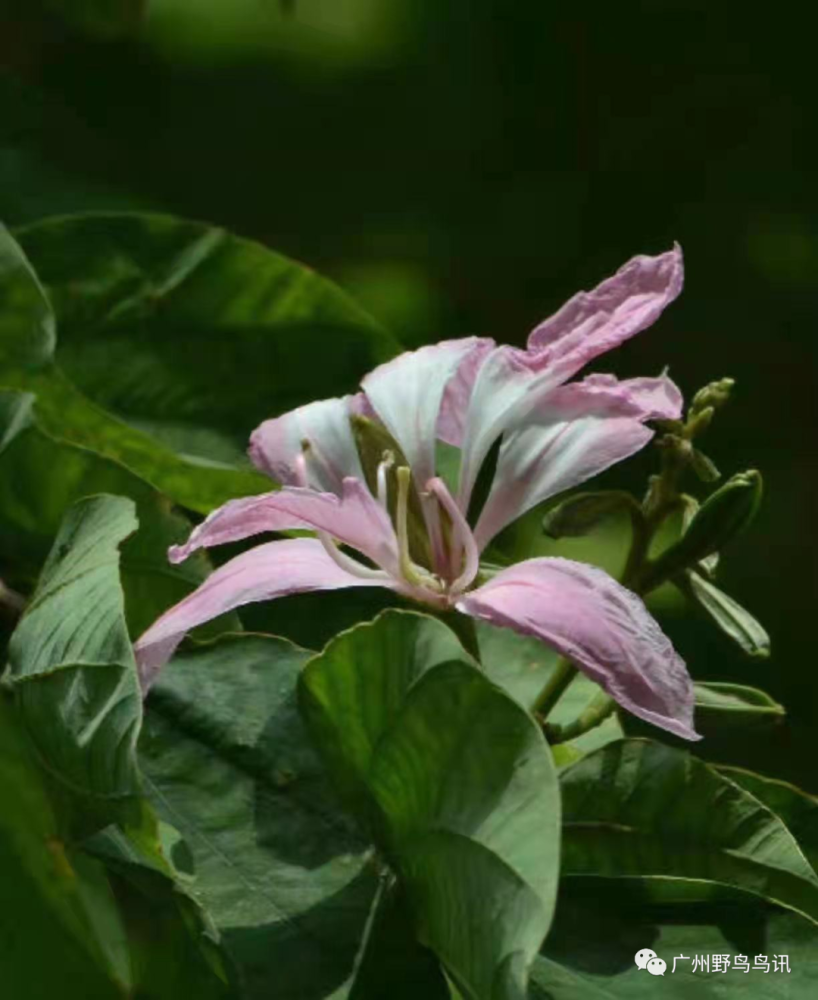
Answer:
(462, 168)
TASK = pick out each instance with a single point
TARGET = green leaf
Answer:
(67, 919)
(41, 478)
(520, 664)
(728, 615)
(392, 962)
(58, 922)
(796, 808)
(175, 341)
(603, 924)
(283, 873)
(641, 810)
(721, 706)
(71, 664)
(162, 319)
(27, 328)
(350, 680)
(173, 942)
(456, 783)
(65, 415)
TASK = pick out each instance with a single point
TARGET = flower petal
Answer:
(579, 430)
(268, 571)
(511, 383)
(356, 519)
(277, 447)
(451, 422)
(407, 393)
(604, 629)
(594, 322)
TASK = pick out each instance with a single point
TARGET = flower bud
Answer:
(704, 467)
(580, 514)
(725, 514)
(713, 395)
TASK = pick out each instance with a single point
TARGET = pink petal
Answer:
(594, 322)
(511, 383)
(503, 380)
(273, 570)
(451, 423)
(355, 519)
(407, 392)
(601, 627)
(277, 446)
(577, 431)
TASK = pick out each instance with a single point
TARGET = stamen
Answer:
(384, 467)
(462, 538)
(410, 571)
(347, 563)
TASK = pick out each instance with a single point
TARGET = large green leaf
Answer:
(172, 942)
(104, 934)
(456, 783)
(58, 921)
(65, 415)
(602, 925)
(39, 481)
(641, 810)
(71, 662)
(283, 873)
(175, 341)
(164, 320)
(796, 808)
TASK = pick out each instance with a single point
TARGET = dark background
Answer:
(463, 167)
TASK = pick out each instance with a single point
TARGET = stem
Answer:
(641, 534)
(594, 715)
(561, 676)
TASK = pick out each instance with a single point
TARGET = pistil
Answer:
(383, 468)
(411, 572)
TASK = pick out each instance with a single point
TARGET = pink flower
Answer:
(467, 393)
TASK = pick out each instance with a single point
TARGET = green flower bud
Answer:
(713, 395)
(581, 513)
(704, 468)
(725, 514)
